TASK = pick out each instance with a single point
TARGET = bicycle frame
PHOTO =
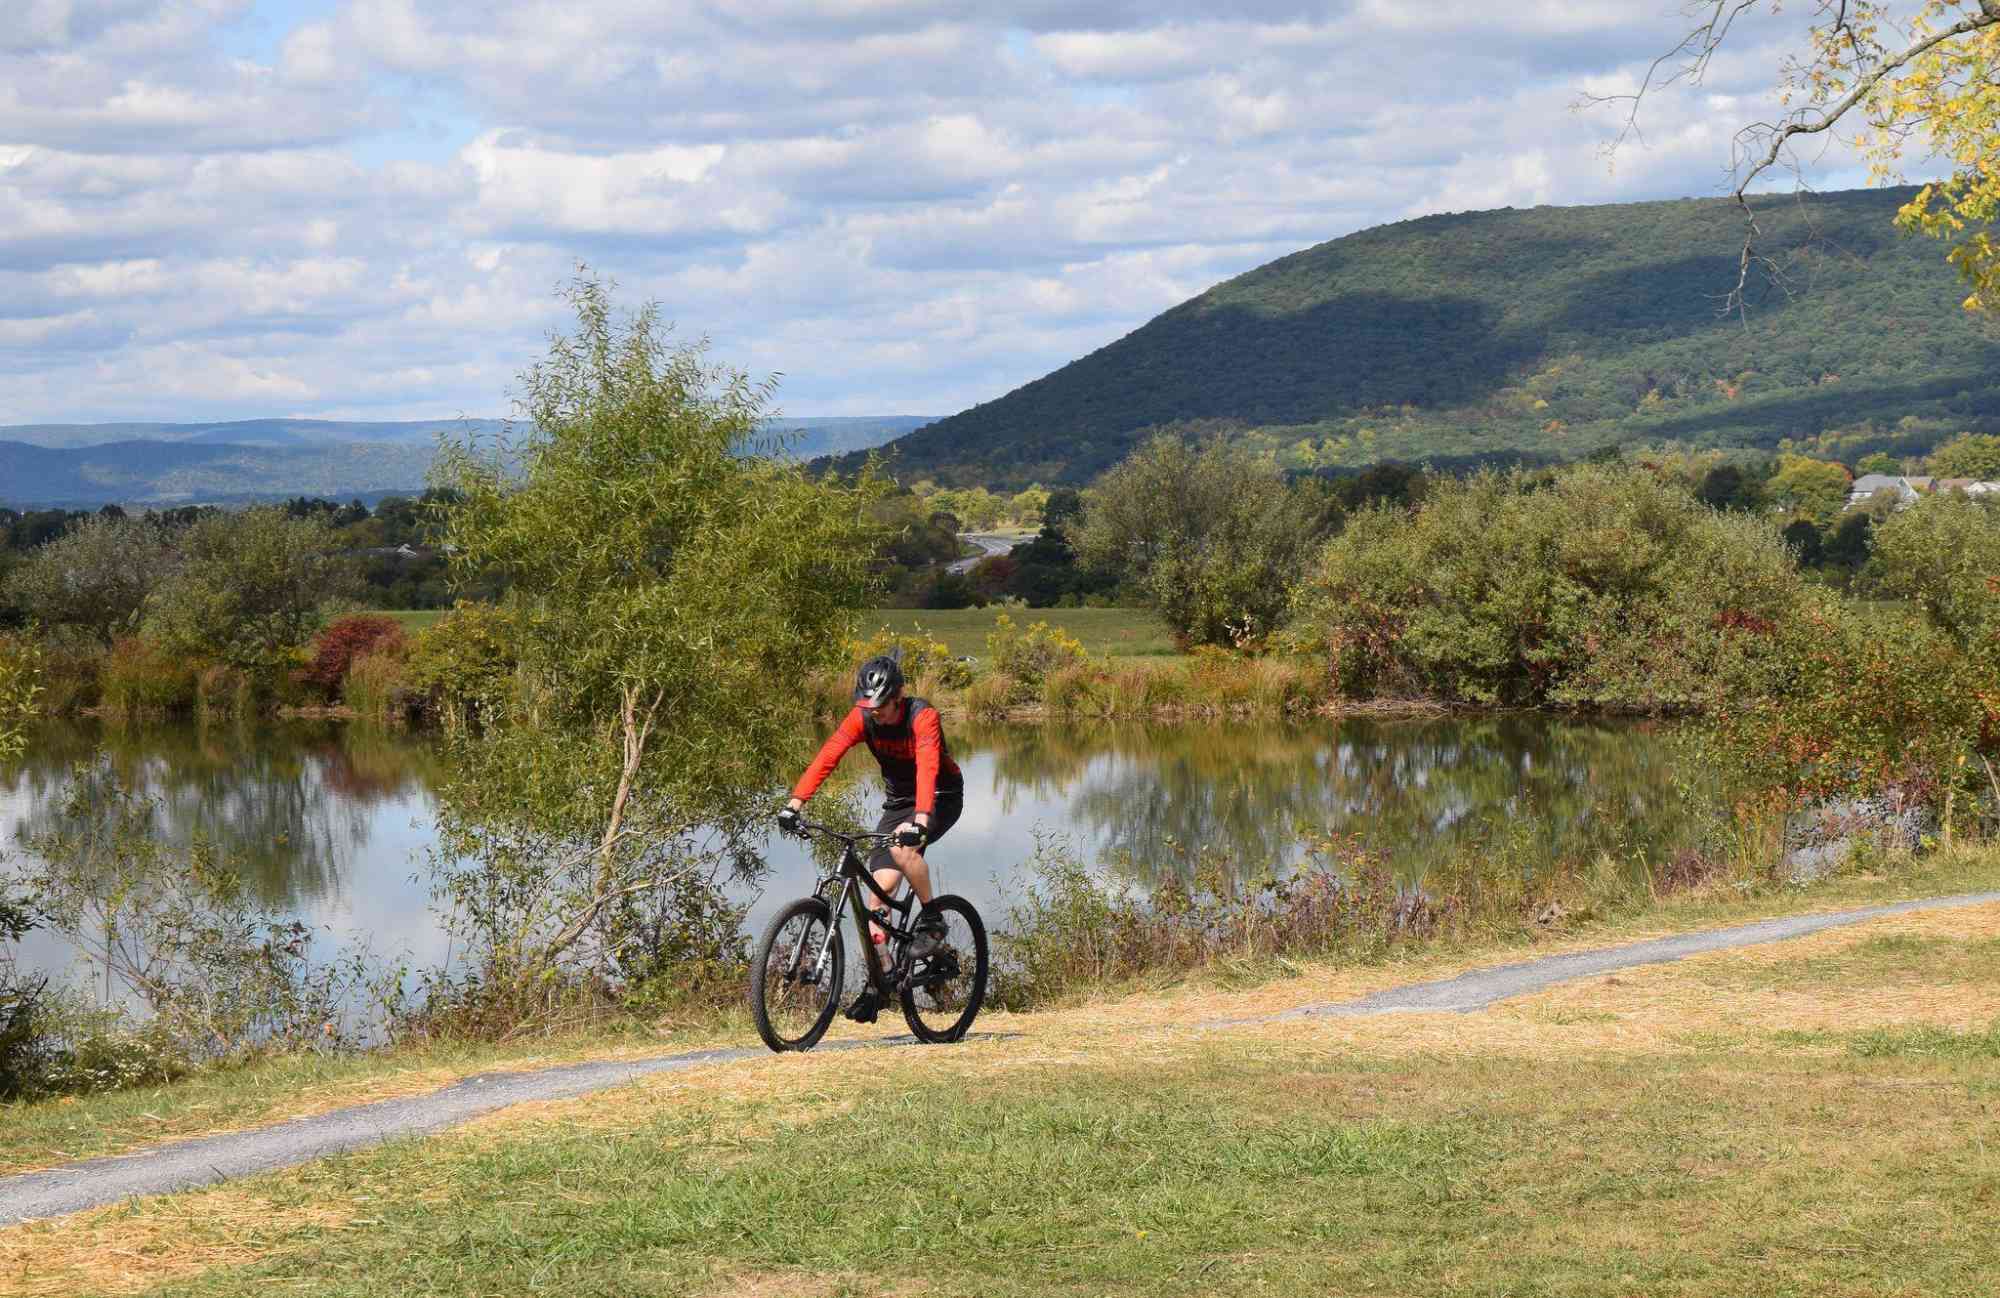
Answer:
(851, 873)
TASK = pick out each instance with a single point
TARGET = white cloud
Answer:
(904, 205)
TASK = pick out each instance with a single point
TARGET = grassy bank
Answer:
(1810, 1117)
(49, 1132)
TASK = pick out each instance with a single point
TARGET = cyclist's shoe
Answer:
(930, 937)
(866, 1006)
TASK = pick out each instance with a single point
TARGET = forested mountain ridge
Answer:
(79, 466)
(1543, 332)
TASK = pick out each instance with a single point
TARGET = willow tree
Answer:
(1903, 76)
(669, 592)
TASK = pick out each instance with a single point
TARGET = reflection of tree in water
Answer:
(291, 804)
(1421, 791)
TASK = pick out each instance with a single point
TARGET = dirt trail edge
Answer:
(185, 1164)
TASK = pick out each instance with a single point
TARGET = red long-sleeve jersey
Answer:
(915, 760)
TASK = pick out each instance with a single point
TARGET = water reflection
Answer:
(291, 804)
(331, 822)
(1420, 790)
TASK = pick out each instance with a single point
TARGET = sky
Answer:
(364, 209)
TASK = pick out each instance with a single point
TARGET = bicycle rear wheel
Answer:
(943, 993)
(793, 993)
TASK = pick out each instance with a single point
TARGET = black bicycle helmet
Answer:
(879, 680)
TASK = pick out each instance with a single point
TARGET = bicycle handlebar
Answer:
(810, 826)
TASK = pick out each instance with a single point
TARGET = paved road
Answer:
(988, 545)
(189, 1163)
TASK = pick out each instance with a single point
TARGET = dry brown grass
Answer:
(126, 1249)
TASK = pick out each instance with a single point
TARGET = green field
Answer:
(413, 619)
(1115, 632)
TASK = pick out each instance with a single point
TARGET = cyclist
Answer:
(926, 793)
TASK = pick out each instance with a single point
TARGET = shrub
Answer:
(465, 660)
(1077, 930)
(990, 697)
(142, 677)
(925, 659)
(1602, 586)
(248, 587)
(1029, 655)
(72, 673)
(20, 686)
(69, 1046)
(1859, 707)
(345, 639)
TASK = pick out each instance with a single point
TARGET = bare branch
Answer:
(1818, 120)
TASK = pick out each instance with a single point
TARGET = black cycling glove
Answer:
(788, 821)
(911, 836)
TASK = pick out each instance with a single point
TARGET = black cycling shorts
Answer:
(945, 810)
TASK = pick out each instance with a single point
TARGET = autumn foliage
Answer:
(346, 639)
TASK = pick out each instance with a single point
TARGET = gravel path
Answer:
(188, 1163)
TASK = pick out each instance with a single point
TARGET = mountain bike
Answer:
(798, 973)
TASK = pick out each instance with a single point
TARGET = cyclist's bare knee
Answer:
(906, 858)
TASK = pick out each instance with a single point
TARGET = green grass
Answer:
(1231, 1167)
(1113, 632)
(1974, 962)
(413, 619)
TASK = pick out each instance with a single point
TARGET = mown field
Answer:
(1811, 1117)
(1113, 632)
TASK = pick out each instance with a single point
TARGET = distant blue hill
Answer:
(82, 466)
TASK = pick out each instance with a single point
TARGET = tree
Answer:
(1027, 505)
(1848, 546)
(249, 588)
(94, 577)
(669, 595)
(1814, 488)
(1878, 462)
(1211, 538)
(1724, 487)
(1802, 534)
(1943, 555)
(1064, 506)
(1969, 455)
(1916, 76)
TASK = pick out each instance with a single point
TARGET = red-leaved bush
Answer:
(345, 639)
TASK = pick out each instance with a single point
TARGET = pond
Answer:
(332, 823)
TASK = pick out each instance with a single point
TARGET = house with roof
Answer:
(1868, 485)
(1908, 487)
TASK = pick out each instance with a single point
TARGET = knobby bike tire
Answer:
(812, 918)
(937, 1023)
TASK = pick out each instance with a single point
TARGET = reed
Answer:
(376, 687)
(224, 691)
(991, 696)
(143, 679)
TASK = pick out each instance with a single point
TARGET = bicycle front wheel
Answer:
(796, 975)
(944, 990)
